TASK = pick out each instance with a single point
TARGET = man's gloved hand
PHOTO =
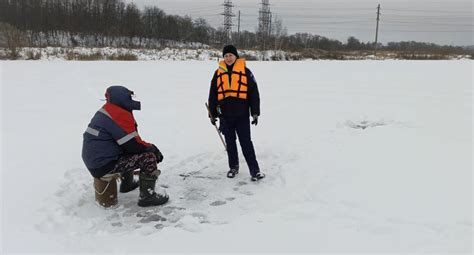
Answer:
(255, 119)
(159, 156)
(157, 152)
(213, 120)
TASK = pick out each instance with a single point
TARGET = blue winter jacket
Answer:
(112, 133)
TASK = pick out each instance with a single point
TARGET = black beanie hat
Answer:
(230, 49)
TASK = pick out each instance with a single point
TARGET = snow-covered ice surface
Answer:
(360, 156)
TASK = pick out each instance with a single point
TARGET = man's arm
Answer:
(212, 101)
(253, 93)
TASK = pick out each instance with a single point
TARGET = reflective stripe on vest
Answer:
(238, 85)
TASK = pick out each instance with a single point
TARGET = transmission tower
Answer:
(228, 20)
(264, 18)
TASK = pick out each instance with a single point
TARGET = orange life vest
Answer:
(237, 87)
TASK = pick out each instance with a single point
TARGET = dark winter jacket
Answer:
(112, 133)
(233, 106)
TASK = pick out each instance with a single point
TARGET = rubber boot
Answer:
(148, 196)
(127, 183)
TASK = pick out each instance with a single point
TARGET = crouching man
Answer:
(112, 145)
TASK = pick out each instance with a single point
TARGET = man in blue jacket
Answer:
(112, 145)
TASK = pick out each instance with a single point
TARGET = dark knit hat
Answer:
(230, 49)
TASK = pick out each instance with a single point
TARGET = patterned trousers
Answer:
(146, 162)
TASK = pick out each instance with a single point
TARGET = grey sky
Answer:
(442, 21)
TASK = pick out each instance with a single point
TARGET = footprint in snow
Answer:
(218, 203)
(146, 213)
(200, 216)
(154, 217)
(246, 192)
(241, 183)
(172, 209)
(113, 217)
(117, 224)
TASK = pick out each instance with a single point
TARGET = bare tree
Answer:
(11, 38)
(279, 33)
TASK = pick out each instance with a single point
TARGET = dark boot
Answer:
(257, 177)
(148, 196)
(233, 172)
(127, 183)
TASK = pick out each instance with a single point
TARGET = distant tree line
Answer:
(422, 47)
(96, 23)
(105, 21)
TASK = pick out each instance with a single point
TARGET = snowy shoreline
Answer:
(183, 54)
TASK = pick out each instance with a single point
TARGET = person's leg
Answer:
(149, 173)
(227, 127)
(243, 132)
(146, 162)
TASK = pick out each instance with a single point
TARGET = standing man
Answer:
(112, 145)
(233, 96)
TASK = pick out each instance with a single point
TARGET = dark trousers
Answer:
(230, 126)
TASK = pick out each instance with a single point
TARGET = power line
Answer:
(313, 19)
(355, 22)
(429, 11)
(325, 16)
(429, 16)
(430, 31)
(295, 7)
(424, 23)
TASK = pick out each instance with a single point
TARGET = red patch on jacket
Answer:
(125, 120)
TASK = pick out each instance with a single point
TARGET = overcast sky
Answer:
(440, 21)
